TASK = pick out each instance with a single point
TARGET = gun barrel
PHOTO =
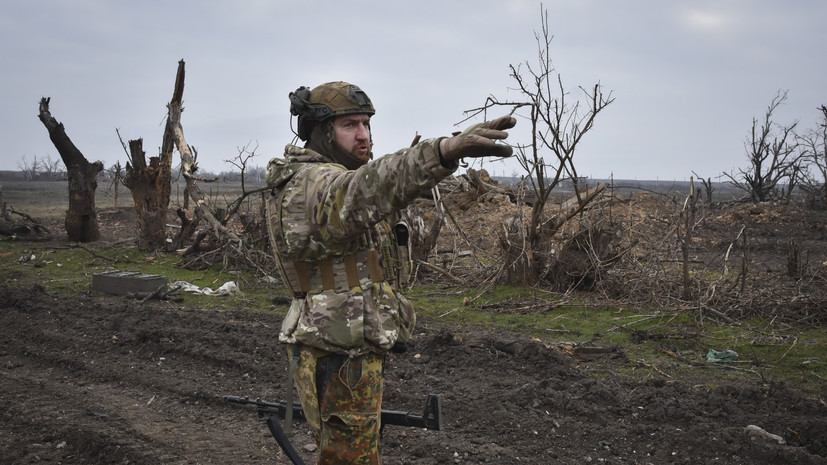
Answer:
(238, 400)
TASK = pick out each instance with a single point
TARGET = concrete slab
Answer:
(126, 282)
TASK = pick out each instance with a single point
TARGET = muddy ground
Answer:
(89, 378)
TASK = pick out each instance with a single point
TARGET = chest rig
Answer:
(382, 254)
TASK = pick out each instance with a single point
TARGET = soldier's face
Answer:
(352, 133)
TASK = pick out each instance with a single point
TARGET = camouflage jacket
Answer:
(334, 237)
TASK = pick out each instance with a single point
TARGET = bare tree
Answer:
(117, 174)
(772, 154)
(707, 186)
(241, 161)
(52, 169)
(29, 169)
(558, 125)
(81, 217)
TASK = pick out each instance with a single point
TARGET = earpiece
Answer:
(299, 101)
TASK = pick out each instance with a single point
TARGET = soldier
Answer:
(343, 252)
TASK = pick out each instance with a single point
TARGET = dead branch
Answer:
(29, 228)
(28, 218)
(573, 207)
(440, 270)
(717, 313)
(95, 253)
(174, 133)
(162, 293)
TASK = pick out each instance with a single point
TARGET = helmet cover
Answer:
(327, 101)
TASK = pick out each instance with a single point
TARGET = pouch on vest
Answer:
(403, 253)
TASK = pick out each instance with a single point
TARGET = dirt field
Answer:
(88, 379)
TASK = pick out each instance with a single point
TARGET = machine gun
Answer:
(273, 412)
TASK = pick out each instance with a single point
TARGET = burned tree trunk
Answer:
(81, 218)
(151, 185)
(151, 189)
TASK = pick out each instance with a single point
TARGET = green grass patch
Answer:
(658, 343)
(71, 268)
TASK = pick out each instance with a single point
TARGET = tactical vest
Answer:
(382, 255)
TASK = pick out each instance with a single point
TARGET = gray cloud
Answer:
(688, 76)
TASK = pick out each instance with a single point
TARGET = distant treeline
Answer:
(28, 176)
(721, 189)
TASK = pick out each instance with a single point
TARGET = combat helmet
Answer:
(326, 101)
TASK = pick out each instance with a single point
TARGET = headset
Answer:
(306, 112)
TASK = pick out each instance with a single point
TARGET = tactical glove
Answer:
(479, 140)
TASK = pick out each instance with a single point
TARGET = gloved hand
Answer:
(479, 140)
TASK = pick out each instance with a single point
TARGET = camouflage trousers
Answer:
(342, 400)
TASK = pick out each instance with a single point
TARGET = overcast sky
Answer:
(688, 77)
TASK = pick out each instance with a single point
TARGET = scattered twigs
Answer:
(701, 364)
(95, 253)
(535, 306)
(653, 367)
(446, 211)
(720, 315)
(632, 323)
(486, 287)
(440, 270)
(795, 341)
(449, 312)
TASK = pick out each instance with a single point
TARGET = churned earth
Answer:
(88, 378)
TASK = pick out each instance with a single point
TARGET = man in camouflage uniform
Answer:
(334, 225)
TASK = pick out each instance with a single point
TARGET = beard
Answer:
(322, 140)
